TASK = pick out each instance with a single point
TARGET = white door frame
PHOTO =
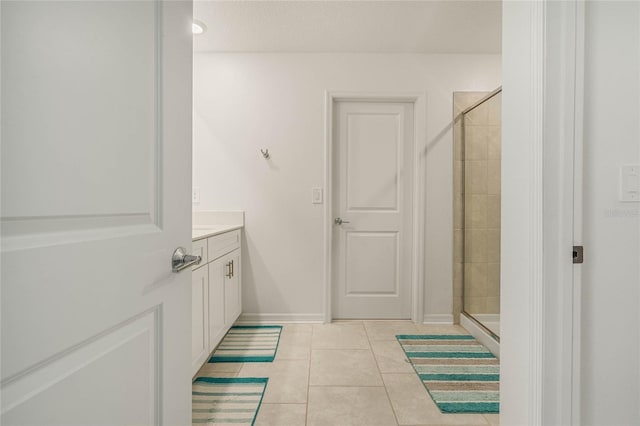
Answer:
(541, 202)
(419, 137)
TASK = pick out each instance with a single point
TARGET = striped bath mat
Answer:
(227, 401)
(248, 343)
(460, 374)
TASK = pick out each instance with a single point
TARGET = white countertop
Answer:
(200, 232)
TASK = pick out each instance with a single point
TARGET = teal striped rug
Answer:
(223, 401)
(460, 374)
(248, 343)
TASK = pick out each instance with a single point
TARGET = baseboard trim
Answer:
(438, 319)
(253, 318)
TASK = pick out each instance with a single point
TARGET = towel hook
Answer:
(265, 153)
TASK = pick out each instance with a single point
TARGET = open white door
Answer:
(96, 171)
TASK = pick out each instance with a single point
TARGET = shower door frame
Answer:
(477, 104)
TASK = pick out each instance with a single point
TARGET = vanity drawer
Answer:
(222, 244)
(199, 248)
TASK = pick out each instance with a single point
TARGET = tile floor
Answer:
(348, 373)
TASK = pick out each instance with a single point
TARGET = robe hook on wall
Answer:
(265, 153)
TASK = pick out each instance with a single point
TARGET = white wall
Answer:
(244, 102)
(611, 275)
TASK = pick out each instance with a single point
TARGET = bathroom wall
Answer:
(479, 216)
(611, 272)
(245, 102)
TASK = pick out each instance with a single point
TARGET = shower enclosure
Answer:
(477, 144)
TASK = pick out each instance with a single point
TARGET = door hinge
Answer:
(578, 254)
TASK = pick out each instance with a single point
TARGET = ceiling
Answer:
(444, 26)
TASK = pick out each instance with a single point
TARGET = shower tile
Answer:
(475, 279)
(493, 211)
(494, 113)
(493, 305)
(493, 245)
(475, 305)
(494, 143)
(476, 138)
(479, 115)
(457, 244)
(457, 211)
(457, 279)
(457, 140)
(475, 249)
(476, 177)
(493, 177)
(463, 100)
(457, 177)
(475, 211)
(493, 279)
(457, 308)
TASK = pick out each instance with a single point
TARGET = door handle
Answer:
(339, 221)
(181, 260)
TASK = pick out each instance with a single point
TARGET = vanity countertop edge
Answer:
(201, 232)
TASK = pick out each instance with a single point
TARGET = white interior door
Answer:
(96, 170)
(372, 206)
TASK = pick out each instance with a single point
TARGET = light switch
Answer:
(195, 195)
(316, 195)
(630, 183)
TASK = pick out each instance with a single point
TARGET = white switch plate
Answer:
(630, 183)
(195, 194)
(316, 195)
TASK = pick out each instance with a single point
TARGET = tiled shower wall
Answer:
(478, 253)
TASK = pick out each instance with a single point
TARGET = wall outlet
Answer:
(316, 195)
(195, 194)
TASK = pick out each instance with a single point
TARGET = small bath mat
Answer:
(248, 343)
(223, 401)
(460, 374)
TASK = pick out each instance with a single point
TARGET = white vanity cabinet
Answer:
(216, 293)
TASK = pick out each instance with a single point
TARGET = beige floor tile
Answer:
(288, 380)
(349, 406)
(387, 330)
(340, 335)
(296, 328)
(282, 415)
(493, 419)
(413, 405)
(343, 367)
(294, 345)
(390, 357)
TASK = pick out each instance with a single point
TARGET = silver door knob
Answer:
(181, 260)
(339, 221)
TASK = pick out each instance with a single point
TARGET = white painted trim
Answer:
(419, 101)
(249, 318)
(438, 319)
(522, 213)
(542, 119)
(578, 140)
(562, 200)
(480, 334)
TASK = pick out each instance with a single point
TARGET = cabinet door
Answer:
(232, 289)
(217, 326)
(199, 318)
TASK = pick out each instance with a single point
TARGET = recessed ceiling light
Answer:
(198, 27)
